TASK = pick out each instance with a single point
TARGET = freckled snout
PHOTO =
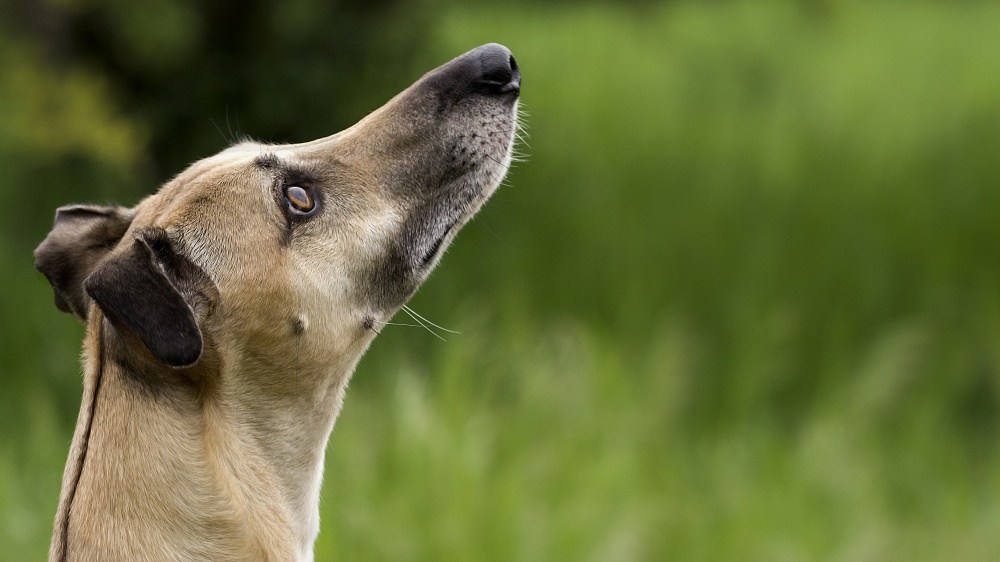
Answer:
(443, 144)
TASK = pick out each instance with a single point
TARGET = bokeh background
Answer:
(741, 302)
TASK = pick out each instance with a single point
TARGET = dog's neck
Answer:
(175, 455)
(282, 435)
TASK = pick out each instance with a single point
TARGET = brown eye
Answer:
(299, 199)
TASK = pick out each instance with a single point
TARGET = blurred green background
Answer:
(741, 302)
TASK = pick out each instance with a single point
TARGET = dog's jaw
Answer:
(482, 156)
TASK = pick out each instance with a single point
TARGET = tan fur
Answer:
(222, 459)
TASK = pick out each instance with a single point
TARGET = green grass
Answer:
(742, 302)
(550, 444)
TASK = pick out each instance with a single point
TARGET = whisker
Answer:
(378, 334)
(410, 310)
(495, 235)
(522, 136)
(221, 134)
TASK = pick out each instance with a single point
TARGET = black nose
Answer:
(489, 69)
(498, 69)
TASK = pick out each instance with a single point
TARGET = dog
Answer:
(226, 312)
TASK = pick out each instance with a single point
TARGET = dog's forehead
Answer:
(250, 150)
(227, 178)
(244, 150)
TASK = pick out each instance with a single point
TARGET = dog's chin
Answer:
(437, 247)
(447, 227)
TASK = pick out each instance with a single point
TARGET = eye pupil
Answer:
(299, 198)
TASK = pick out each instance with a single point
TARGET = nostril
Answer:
(515, 79)
(498, 69)
(497, 75)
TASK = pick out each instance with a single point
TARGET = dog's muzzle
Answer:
(465, 115)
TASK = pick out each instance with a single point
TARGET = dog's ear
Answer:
(81, 237)
(153, 291)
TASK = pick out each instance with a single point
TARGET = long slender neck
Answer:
(189, 471)
(285, 435)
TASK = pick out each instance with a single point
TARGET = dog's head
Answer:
(295, 252)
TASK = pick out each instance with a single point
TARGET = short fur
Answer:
(223, 322)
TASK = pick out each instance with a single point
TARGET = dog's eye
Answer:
(299, 199)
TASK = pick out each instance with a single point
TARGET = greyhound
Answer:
(225, 315)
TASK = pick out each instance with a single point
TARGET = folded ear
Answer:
(150, 290)
(81, 237)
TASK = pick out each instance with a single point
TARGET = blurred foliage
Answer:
(741, 302)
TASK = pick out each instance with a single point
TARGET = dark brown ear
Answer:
(151, 290)
(81, 236)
